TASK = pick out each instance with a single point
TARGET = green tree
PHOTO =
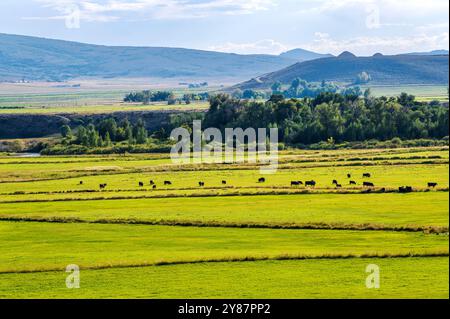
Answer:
(66, 131)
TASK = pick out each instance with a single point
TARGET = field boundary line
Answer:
(193, 168)
(250, 225)
(285, 192)
(283, 257)
(316, 190)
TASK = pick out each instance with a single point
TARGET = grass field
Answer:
(333, 278)
(99, 99)
(101, 109)
(240, 240)
(426, 93)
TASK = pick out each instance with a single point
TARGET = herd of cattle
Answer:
(311, 183)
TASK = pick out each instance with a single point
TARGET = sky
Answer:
(363, 27)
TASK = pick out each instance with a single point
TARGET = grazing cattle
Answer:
(352, 183)
(338, 186)
(383, 190)
(433, 185)
(224, 182)
(167, 183)
(367, 175)
(310, 183)
(262, 180)
(152, 183)
(103, 186)
(368, 184)
(201, 184)
(141, 184)
(154, 186)
(349, 175)
(335, 182)
(81, 182)
(296, 183)
(405, 189)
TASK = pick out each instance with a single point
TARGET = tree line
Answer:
(300, 88)
(147, 96)
(105, 133)
(333, 116)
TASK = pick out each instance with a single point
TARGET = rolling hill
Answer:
(384, 70)
(301, 55)
(31, 58)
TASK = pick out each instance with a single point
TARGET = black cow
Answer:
(167, 183)
(338, 186)
(296, 183)
(141, 184)
(349, 175)
(103, 186)
(154, 186)
(310, 183)
(201, 184)
(352, 183)
(368, 184)
(152, 183)
(433, 185)
(405, 189)
(335, 182)
(224, 182)
(262, 180)
(81, 182)
(367, 175)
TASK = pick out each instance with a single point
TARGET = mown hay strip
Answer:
(410, 254)
(216, 167)
(221, 224)
(236, 192)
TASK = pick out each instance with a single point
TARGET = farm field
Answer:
(425, 93)
(334, 278)
(35, 99)
(101, 109)
(257, 240)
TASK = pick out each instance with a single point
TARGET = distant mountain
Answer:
(34, 58)
(387, 70)
(301, 55)
(435, 52)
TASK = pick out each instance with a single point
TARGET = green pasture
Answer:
(422, 92)
(51, 246)
(336, 278)
(415, 209)
(186, 241)
(49, 167)
(391, 176)
(101, 109)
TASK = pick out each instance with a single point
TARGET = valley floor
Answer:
(242, 239)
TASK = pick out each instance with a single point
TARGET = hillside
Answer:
(434, 52)
(31, 58)
(386, 70)
(301, 55)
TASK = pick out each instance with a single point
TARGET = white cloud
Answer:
(266, 46)
(99, 10)
(418, 6)
(363, 45)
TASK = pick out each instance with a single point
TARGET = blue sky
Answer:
(241, 26)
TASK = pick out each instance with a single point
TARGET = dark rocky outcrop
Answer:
(42, 125)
